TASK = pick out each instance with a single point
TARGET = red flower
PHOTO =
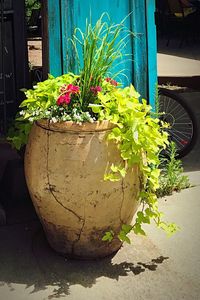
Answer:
(95, 89)
(74, 89)
(63, 99)
(66, 91)
(112, 81)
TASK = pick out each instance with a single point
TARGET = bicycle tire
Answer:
(183, 124)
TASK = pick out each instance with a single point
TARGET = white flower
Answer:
(54, 120)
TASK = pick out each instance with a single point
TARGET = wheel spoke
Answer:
(182, 133)
(181, 129)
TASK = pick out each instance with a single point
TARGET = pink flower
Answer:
(95, 89)
(66, 91)
(74, 89)
(112, 81)
(63, 99)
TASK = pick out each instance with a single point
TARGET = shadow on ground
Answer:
(28, 259)
(190, 49)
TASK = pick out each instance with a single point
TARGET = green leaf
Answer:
(127, 228)
(27, 115)
(138, 229)
(96, 108)
(142, 218)
(122, 172)
(114, 168)
(16, 141)
(116, 131)
(149, 212)
(27, 101)
(108, 236)
(48, 104)
(115, 118)
(133, 92)
(123, 237)
(111, 177)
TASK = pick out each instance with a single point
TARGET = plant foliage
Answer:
(93, 95)
(30, 5)
(172, 178)
(96, 50)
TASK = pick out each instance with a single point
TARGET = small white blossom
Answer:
(54, 120)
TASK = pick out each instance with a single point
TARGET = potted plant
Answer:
(92, 153)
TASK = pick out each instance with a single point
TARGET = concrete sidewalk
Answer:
(153, 267)
(175, 66)
(173, 60)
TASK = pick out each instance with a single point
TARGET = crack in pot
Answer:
(50, 185)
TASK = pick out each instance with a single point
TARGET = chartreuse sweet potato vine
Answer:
(90, 96)
(139, 138)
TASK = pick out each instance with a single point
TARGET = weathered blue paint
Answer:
(67, 28)
(151, 51)
(79, 11)
(138, 26)
(65, 15)
(54, 35)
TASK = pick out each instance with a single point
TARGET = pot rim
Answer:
(71, 126)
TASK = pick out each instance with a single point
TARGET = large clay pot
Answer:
(64, 166)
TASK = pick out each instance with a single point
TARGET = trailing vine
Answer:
(140, 138)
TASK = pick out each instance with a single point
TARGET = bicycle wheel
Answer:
(183, 126)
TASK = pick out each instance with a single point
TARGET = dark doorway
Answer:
(178, 35)
(13, 59)
(20, 67)
(34, 39)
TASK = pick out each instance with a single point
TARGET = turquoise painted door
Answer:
(140, 69)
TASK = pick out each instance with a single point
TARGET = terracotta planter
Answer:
(64, 166)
